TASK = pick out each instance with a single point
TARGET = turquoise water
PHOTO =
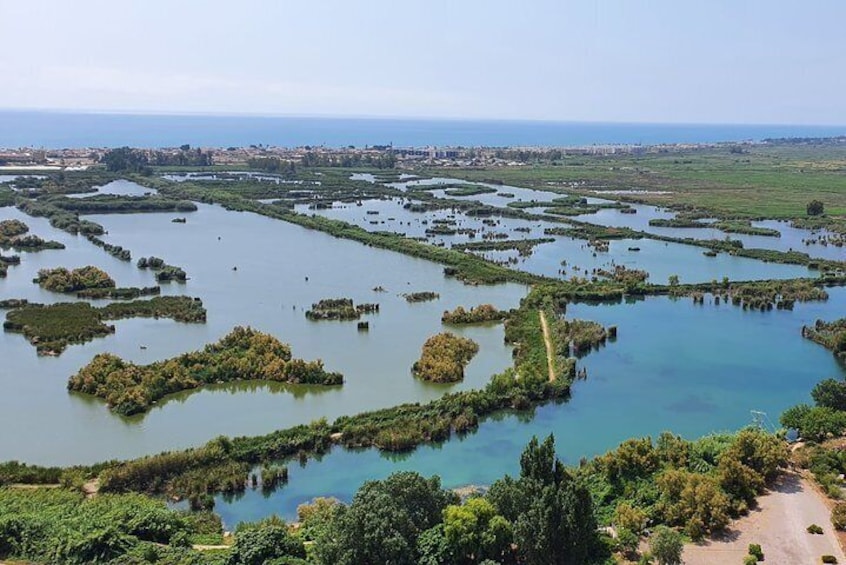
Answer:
(675, 366)
(62, 129)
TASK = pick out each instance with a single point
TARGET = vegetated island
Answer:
(63, 280)
(6, 261)
(12, 234)
(164, 272)
(243, 354)
(477, 315)
(51, 328)
(89, 282)
(339, 309)
(444, 357)
(831, 335)
(424, 296)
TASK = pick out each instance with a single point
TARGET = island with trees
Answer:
(243, 354)
(52, 328)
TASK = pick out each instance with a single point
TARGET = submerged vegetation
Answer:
(244, 354)
(424, 296)
(444, 357)
(339, 309)
(51, 328)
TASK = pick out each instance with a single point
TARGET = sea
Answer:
(57, 130)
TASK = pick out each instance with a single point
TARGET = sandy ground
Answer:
(778, 524)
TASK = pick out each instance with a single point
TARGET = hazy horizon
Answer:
(664, 62)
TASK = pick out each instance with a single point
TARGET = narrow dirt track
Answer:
(779, 524)
(550, 353)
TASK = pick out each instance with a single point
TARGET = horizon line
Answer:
(271, 115)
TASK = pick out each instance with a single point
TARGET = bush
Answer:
(838, 516)
(829, 559)
(814, 529)
(750, 560)
(756, 551)
(815, 208)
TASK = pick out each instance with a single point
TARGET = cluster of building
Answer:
(31, 158)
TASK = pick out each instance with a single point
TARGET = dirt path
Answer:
(550, 352)
(778, 524)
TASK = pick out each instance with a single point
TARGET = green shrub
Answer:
(814, 529)
(756, 551)
(750, 560)
(829, 559)
(838, 516)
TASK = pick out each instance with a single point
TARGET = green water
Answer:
(268, 291)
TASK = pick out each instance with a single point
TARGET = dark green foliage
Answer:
(815, 423)
(60, 526)
(384, 521)
(53, 327)
(828, 559)
(551, 511)
(164, 272)
(756, 551)
(16, 472)
(339, 309)
(815, 208)
(424, 296)
(244, 354)
(257, 546)
(110, 204)
(814, 529)
(59, 218)
(127, 160)
(831, 335)
(118, 293)
(830, 393)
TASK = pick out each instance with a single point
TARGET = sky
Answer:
(669, 61)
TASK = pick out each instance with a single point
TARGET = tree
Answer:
(666, 546)
(830, 393)
(474, 531)
(552, 512)
(815, 208)
(384, 521)
(256, 546)
(674, 280)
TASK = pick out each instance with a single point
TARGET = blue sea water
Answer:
(77, 130)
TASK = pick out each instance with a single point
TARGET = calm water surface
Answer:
(676, 366)
(268, 291)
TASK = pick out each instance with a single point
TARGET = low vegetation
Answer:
(424, 296)
(53, 327)
(339, 309)
(244, 354)
(480, 314)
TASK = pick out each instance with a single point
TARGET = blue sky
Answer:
(740, 61)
